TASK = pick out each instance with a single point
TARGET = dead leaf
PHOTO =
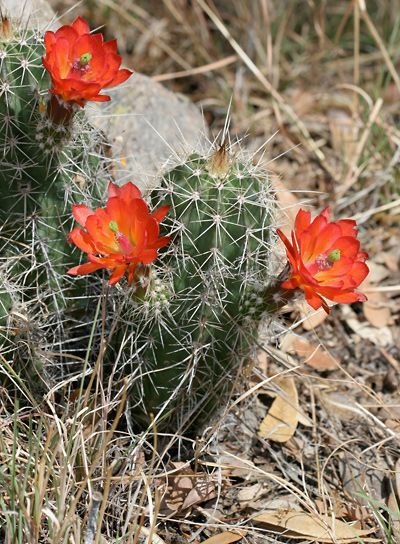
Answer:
(380, 337)
(251, 493)
(391, 260)
(376, 309)
(225, 538)
(280, 424)
(294, 524)
(315, 356)
(289, 205)
(311, 319)
(341, 406)
(184, 489)
(377, 272)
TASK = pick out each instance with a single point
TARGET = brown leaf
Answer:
(391, 260)
(315, 356)
(376, 310)
(381, 337)
(225, 538)
(251, 493)
(294, 524)
(377, 272)
(185, 488)
(311, 319)
(341, 406)
(280, 424)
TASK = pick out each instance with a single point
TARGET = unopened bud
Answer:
(5, 27)
(219, 164)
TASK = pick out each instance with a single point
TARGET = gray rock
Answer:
(150, 128)
(147, 125)
(35, 13)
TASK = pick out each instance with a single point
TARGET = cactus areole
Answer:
(51, 158)
(192, 272)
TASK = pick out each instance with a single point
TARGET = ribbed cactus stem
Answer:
(50, 158)
(200, 313)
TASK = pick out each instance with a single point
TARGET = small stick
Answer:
(92, 519)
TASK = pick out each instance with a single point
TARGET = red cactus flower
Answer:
(120, 236)
(325, 259)
(80, 64)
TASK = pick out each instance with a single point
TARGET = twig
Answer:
(367, 213)
(379, 43)
(199, 70)
(383, 289)
(353, 172)
(92, 518)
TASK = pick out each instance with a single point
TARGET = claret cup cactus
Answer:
(50, 158)
(194, 315)
(190, 266)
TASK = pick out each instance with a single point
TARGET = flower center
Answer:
(82, 64)
(85, 59)
(113, 226)
(334, 256)
(325, 262)
(124, 243)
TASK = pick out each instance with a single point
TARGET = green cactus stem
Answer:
(187, 336)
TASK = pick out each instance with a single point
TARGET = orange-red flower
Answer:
(81, 64)
(120, 236)
(325, 259)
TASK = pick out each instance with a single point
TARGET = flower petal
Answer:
(160, 213)
(81, 26)
(302, 222)
(81, 213)
(77, 79)
(315, 269)
(82, 240)
(83, 269)
(117, 274)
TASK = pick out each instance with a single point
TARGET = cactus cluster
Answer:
(181, 331)
(48, 162)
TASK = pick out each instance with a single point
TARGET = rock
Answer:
(35, 13)
(149, 128)
(147, 125)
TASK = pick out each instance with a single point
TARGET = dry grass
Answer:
(323, 77)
